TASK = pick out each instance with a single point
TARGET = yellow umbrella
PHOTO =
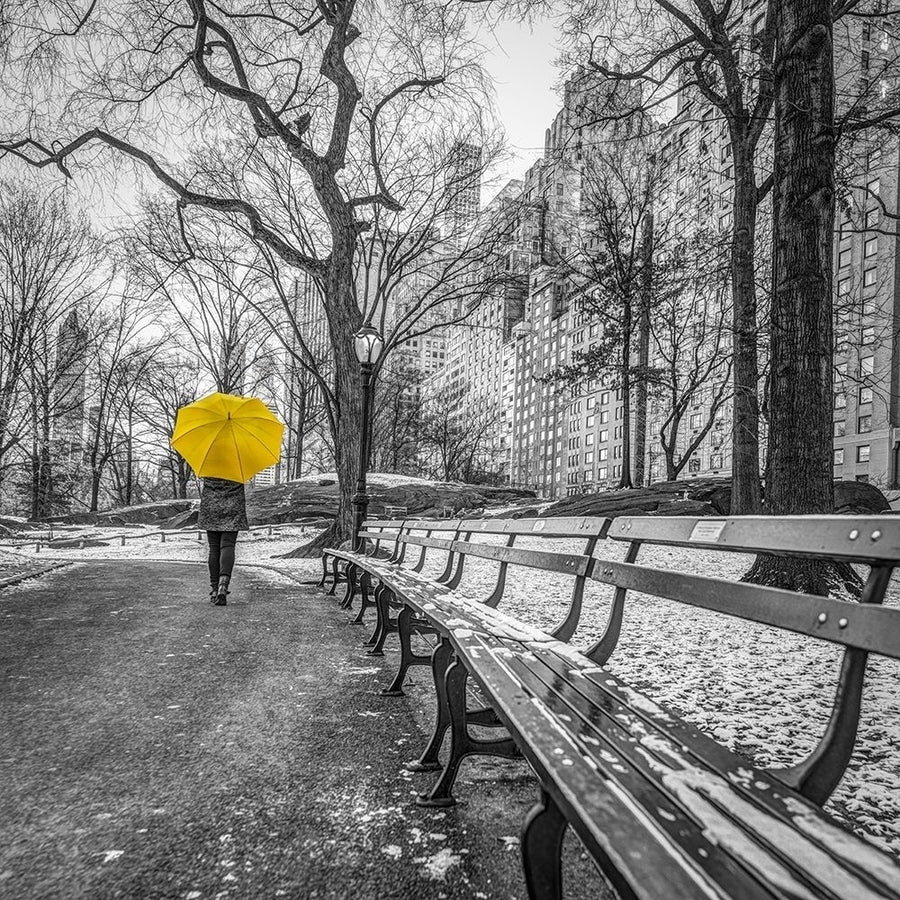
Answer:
(225, 436)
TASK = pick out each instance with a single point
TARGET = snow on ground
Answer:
(763, 692)
(144, 543)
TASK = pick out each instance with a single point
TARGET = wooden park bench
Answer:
(663, 809)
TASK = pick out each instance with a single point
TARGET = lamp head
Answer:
(368, 344)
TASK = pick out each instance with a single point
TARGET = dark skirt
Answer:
(222, 506)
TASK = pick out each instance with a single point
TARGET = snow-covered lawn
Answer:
(764, 692)
(144, 542)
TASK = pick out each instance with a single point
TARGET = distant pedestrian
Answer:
(223, 513)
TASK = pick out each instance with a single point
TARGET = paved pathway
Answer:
(154, 746)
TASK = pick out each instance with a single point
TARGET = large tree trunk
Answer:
(625, 478)
(643, 352)
(745, 494)
(344, 320)
(800, 479)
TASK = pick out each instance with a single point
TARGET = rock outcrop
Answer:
(700, 497)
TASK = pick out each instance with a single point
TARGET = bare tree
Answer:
(607, 266)
(318, 85)
(705, 52)
(115, 367)
(456, 448)
(690, 359)
(171, 382)
(207, 292)
(51, 264)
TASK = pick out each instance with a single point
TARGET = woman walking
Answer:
(223, 513)
(226, 440)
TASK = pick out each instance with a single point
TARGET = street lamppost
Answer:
(368, 344)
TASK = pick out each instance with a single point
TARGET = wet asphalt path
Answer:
(153, 746)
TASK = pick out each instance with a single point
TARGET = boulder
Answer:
(187, 519)
(857, 498)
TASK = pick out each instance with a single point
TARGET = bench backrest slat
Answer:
(867, 626)
(581, 526)
(858, 538)
(569, 563)
(425, 541)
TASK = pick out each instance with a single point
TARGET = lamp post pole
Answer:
(361, 498)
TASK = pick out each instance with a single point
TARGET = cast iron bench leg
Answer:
(462, 744)
(379, 622)
(407, 657)
(365, 584)
(324, 577)
(350, 593)
(334, 576)
(385, 624)
(542, 840)
(440, 660)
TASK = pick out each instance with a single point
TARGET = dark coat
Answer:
(222, 506)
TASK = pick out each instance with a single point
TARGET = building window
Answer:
(867, 336)
(864, 424)
(589, 440)
(839, 456)
(840, 400)
(867, 365)
(872, 187)
(603, 454)
(589, 422)
(862, 453)
(602, 473)
(865, 395)
(870, 276)
(604, 415)
(693, 464)
(604, 398)
(604, 435)
(696, 420)
(843, 287)
(844, 258)
(840, 428)
(870, 248)
(715, 462)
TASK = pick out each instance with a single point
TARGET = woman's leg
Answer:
(214, 538)
(226, 553)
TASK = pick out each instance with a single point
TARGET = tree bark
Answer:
(643, 352)
(745, 493)
(627, 335)
(800, 479)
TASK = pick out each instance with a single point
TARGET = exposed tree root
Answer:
(313, 549)
(806, 576)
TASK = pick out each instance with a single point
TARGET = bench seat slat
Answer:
(617, 829)
(454, 612)
(626, 710)
(867, 626)
(876, 537)
(658, 774)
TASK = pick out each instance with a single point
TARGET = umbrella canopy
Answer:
(226, 436)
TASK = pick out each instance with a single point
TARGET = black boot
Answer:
(213, 590)
(222, 591)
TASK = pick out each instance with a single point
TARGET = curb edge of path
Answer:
(23, 576)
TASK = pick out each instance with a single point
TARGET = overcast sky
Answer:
(520, 61)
